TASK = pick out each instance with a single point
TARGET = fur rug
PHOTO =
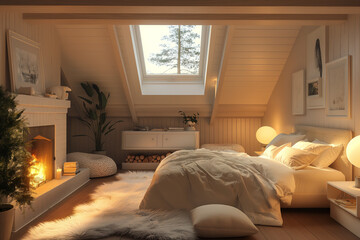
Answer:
(114, 212)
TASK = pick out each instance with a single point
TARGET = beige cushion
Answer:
(217, 220)
(311, 147)
(223, 147)
(327, 157)
(272, 150)
(283, 138)
(295, 158)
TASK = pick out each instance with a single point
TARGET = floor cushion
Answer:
(219, 221)
(99, 165)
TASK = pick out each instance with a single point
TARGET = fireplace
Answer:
(42, 151)
(46, 119)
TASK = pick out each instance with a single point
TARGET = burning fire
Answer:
(38, 171)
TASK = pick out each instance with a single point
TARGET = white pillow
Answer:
(272, 150)
(327, 157)
(283, 138)
(218, 221)
(316, 148)
(295, 158)
(223, 147)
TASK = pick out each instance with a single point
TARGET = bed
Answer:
(257, 186)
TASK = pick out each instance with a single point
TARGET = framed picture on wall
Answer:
(316, 55)
(25, 62)
(338, 77)
(298, 93)
(314, 88)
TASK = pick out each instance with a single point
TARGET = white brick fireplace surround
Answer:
(41, 111)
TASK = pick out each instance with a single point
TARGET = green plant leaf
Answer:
(109, 131)
(86, 100)
(87, 88)
(96, 88)
(105, 126)
(102, 118)
(92, 114)
(103, 101)
(87, 111)
(112, 125)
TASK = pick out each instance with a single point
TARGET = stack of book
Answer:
(71, 168)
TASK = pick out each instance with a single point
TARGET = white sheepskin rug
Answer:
(114, 213)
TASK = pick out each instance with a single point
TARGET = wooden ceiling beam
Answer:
(175, 3)
(169, 18)
(185, 9)
(222, 70)
(121, 68)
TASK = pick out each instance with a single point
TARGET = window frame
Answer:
(171, 78)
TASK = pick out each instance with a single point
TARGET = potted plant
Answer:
(189, 121)
(15, 163)
(95, 119)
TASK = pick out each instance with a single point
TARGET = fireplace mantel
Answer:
(36, 104)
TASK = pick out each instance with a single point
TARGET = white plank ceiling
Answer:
(256, 60)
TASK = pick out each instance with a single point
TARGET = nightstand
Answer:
(346, 216)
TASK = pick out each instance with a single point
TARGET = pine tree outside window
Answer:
(171, 54)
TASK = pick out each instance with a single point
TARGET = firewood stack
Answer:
(146, 159)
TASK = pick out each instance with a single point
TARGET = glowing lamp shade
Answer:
(353, 151)
(265, 134)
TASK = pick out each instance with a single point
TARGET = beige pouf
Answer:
(99, 165)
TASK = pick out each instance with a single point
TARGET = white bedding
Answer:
(311, 184)
(191, 178)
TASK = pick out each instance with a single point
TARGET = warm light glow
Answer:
(58, 173)
(265, 134)
(353, 151)
(38, 171)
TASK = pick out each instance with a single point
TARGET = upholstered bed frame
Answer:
(335, 136)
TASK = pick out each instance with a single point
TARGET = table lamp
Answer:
(353, 154)
(265, 134)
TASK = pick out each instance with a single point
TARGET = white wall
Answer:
(344, 39)
(45, 34)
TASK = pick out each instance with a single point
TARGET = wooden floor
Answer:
(299, 224)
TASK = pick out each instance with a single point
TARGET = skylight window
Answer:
(171, 54)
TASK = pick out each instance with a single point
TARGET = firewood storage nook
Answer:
(146, 149)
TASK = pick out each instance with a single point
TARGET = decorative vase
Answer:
(7, 213)
(190, 126)
(100, 152)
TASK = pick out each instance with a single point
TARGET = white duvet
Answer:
(190, 178)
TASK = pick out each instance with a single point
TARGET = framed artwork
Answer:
(25, 61)
(316, 55)
(298, 93)
(314, 88)
(338, 88)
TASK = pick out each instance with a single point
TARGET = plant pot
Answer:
(190, 126)
(100, 152)
(7, 213)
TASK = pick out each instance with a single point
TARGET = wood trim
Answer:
(184, 9)
(209, 19)
(121, 68)
(222, 70)
(255, 3)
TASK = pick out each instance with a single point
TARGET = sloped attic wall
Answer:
(344, 39)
